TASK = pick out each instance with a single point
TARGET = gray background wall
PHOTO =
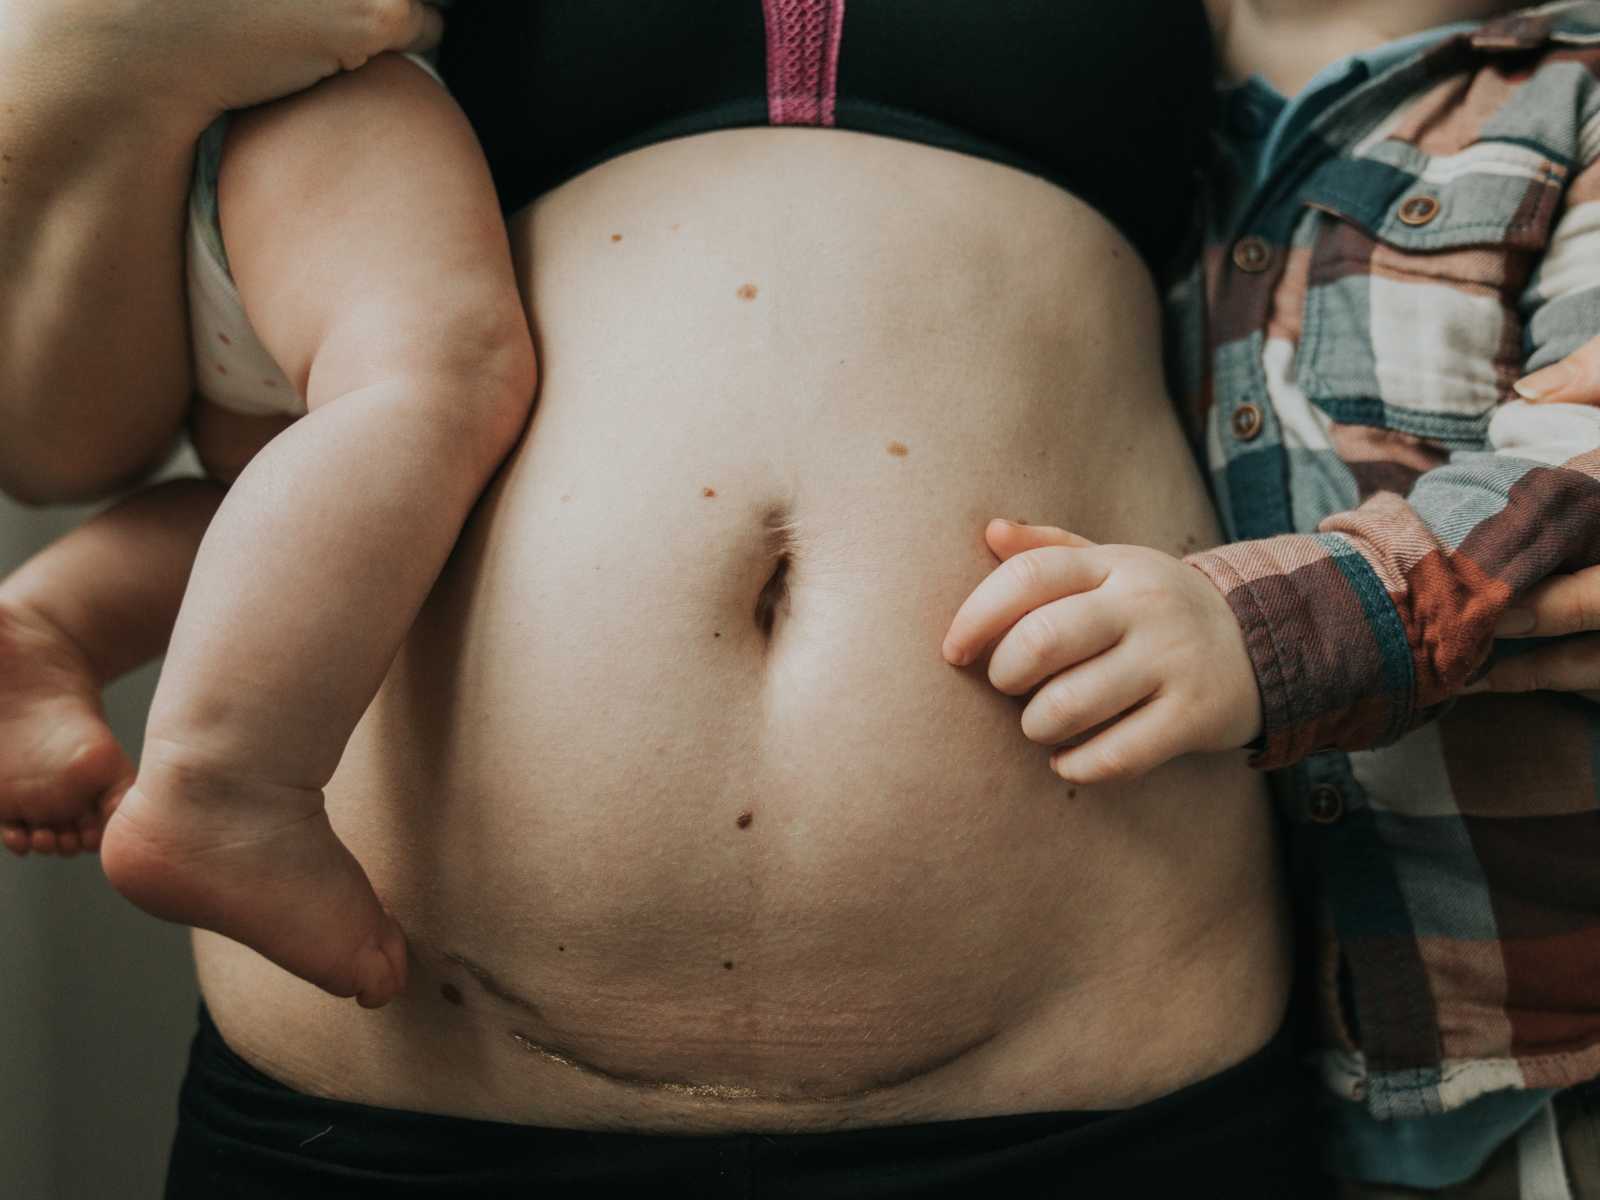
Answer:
(97, 1000)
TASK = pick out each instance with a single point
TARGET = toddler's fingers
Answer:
(1052, 638)
(89, 832)
(1018, 586)
(1087, 695)
(1007, 538)
(1139, 742)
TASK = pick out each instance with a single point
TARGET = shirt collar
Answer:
(1262, 125)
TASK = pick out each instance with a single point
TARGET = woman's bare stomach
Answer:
(690, 825)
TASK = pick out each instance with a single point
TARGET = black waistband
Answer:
(244, 1136)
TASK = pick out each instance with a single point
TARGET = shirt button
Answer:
(1326, 804)
(1419, 210)
(1247, 422)
(1252, 255)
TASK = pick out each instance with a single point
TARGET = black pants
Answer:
(1245, 1134)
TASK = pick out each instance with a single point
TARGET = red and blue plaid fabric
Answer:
(1345, 351)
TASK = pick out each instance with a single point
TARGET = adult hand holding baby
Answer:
(1563, 604)
(201, 57)
(101, 102)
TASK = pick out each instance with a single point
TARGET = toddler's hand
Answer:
(1130, 645)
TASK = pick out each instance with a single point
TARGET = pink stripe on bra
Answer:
(802, 60)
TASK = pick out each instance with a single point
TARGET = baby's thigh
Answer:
(225, 441)
(361, 214)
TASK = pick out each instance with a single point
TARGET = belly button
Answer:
(774, 594)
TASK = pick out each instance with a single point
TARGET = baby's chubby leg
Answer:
(363, 231)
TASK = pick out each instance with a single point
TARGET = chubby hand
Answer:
(1127, 645)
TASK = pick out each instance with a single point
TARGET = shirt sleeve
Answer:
(1367, 628)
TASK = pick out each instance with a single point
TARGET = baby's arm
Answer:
(83, 611)
(1367, 628)
(1355, 634)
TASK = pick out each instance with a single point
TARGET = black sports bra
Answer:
(1110, 99)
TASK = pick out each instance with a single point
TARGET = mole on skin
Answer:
(616, 237)
(898, 449)
(708, 492)
(743, 819)
(727, 966)
(451, 993)
(747, 291)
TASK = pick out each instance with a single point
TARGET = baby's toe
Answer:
(14, 836)
(67, 842)
(44, 841)
(89, 832)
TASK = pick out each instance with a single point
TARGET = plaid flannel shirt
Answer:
(1344, 354)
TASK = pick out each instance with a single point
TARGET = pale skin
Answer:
(1556, 604)
(99, 146)
(1136, 657)
(400, 323)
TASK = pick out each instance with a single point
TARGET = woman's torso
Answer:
(689, 823)
(678, 847)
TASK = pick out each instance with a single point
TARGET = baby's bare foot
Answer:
(61, 769)
(257, 862)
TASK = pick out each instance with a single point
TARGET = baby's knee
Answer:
(469, 351)
(497, 374)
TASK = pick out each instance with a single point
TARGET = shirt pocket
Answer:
(1417, 266)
